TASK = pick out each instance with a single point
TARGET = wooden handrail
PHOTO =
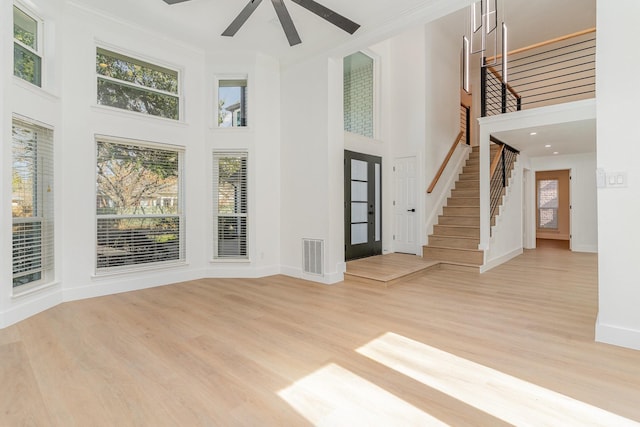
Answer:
(545, 43)
(499, 77)
(445, 162)
(496, 160)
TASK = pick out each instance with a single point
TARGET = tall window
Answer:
(548, 204)
(135, 85)
(27, 50)
(230, 205)
(232, 103)
(32, 203)
(359, 94)
(140, 219)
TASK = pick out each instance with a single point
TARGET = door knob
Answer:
(411, 210)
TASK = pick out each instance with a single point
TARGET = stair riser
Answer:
(468, 185)
(454, 255)
(464, 193)
(469, 177)
(463, 201)
(443, 230)
(454, 242)
(459, 220)
(460, 211)
(471, 169)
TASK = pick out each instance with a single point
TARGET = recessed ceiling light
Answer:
(533, 133)
(547, 146)
(555, 152)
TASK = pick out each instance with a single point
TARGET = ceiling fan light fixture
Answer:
(285, 18)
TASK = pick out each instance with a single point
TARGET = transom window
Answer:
(232, 103)
(27, 50)
(32, 204)
(230, 205)
(359, 96)
(135, 85)
(140, 219)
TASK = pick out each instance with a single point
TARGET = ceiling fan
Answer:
(285, 19)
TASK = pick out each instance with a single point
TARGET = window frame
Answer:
(555, 209)
(216, 108)
(44, 207)
(39, 51)
(216, 155)
(181, 215)
(139, 60)
(376, 93)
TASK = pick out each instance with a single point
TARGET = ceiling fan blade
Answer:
(335, 18)
(286, 22)
(174, 1)
(241, 18)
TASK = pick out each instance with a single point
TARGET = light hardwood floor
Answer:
(512, 346)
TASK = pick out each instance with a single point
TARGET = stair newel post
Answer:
(504, 97)
(483, 88)
(519, 103)
(468, 125)
(504, 169)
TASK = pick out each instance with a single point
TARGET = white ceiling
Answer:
(200, 23)
(564, 139)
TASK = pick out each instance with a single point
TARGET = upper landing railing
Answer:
(552, 72)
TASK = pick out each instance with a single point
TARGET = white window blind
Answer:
(230, 205)
(32, 204)
(140, 219)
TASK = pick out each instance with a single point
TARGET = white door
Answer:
(405, 206)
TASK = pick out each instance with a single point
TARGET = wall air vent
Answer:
(313, 256)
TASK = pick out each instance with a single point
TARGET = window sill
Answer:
(237, 129)
(18, 293)
(133, 114)
(36, 90)
(137, 270)
(230, 261)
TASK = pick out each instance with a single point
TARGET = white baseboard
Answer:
(500, 260)
(103, 286)
(592, 249)
(238, 272)
(327, 279)
(617, 335)
(30, 307)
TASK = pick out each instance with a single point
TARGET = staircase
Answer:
(456, 236)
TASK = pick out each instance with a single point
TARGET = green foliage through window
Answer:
(27, 60)
(139, 217)
(135, 85)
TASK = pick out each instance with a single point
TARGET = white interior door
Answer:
(405, 205)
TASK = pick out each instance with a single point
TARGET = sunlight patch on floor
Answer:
(334, 396)
(503, 396)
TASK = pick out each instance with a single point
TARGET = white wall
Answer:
(5, 151)
(67, 103)
(442, 114)
(261, 138)
(584, 212)
(618, 149)
(43, 106)
(83, 119)
(507, 237)
(305, 165)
